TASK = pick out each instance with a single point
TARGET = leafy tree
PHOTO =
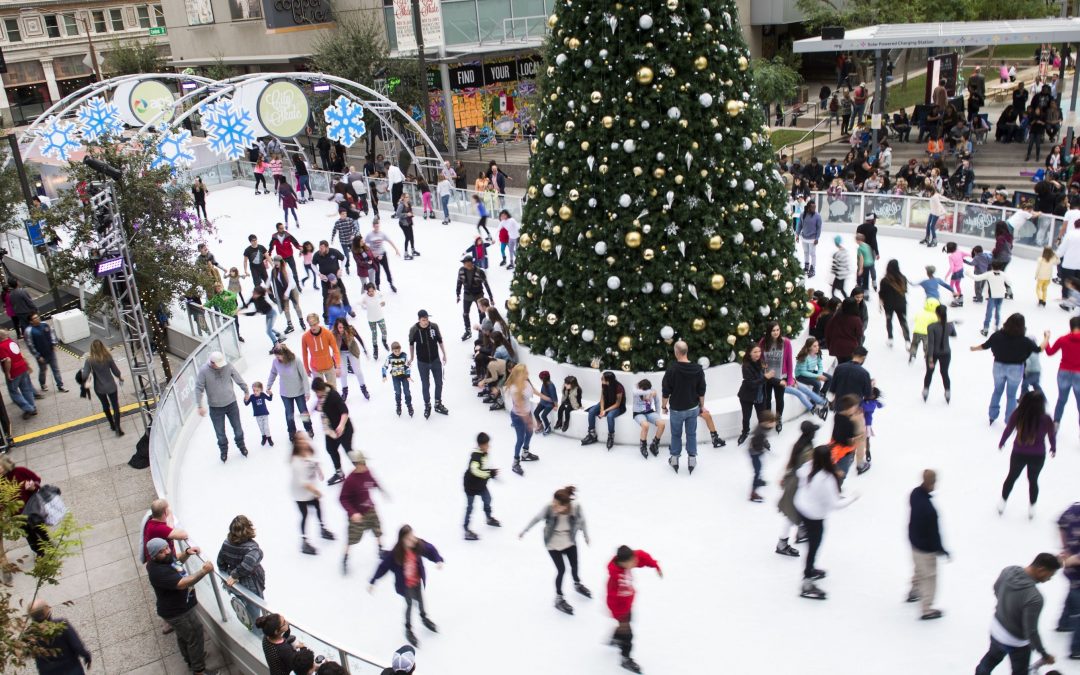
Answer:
(21, 638)
(654, 209)
(219, 70)
(162, 234)
(776, 81)
(133, 57)
(12, 204)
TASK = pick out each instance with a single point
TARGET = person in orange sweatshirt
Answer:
(620, 597)
(321, 355)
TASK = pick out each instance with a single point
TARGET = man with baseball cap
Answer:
(425, 345)
(174, 588)
(403, 663)
(474, 281)
(215, 380)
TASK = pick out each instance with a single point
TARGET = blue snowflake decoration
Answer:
(228, 128)
(344, 121)
(58, 138)
(99, 119)
(173, 150)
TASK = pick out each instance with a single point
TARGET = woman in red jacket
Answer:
(845, 331)
(29, 482)
(620, 597)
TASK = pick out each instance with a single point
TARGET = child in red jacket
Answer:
(620, 597)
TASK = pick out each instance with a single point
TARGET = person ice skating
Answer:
(294, 388)
(549, 396)
(569, 402)
(1034, 429)
(893, 295)
(612, 404)
(776, 353)
(255, 259)
(284, 290)
(397, 366)
(979, 262)
(320, 352)
(841, 267)
(356, 499)
(924, 536)
(845, 331)
(257, 400)
(306, 477)
(997, 285)
(1014, 628)
(759, 445)
(801, 453)
(1068, 377)
(645, 413)
(683, 401)
(1069, 527)
(215, 381)
(1011, 347)
(939, 351)
(351, 346)
(809, 234)
(260, 304)
(445, 189)
(869, 405)
(817, 496)
(406, 562)
(562, 519)
(520, 392)
(374, 305)
(404, 214)
(345, 229)
(513, 232)
(956, 273)
(475, 481)
(473, 281)
(620, 597)
(751, 392)
(426, 343)
(336, 425)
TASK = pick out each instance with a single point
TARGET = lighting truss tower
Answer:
(125, 293)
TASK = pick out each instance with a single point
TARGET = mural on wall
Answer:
(489, 113)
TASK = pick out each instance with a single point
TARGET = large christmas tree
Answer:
(655, 210)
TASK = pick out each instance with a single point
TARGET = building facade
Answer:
(47, 45)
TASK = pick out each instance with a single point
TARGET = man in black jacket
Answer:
(869, 231)
(925, 538)
(852, 378)
(425, 345)
(327, 261)
(683, 393)
(22, 306)
(474, 281)
(63, 650)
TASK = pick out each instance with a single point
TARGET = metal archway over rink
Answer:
(232, 113)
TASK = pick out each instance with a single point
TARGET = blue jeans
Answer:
(402, 383)
(1070, 616)
(542, 412)
(1031, 382)
(931, 227)
(485, 497)
(1006, 375)
(435, 368)
(594, 412)
(993, 306)
(21, 390)
(523, 433)
(1067, 380)
(217, 417)
(301, 407)
(806, 395)
(305, 185)
(679, 419)
(50, 361)
(445, 199)
(271, 332)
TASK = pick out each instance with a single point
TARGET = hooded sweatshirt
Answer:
(620, 587)
(320, 352)
(1019, 604)
(683, 385)
(927, 316)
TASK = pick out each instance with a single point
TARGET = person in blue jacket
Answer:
(925, 538)
(406, 562)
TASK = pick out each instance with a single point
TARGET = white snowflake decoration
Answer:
(173, 150)
(58, 138)
(672, 230)
(228, 128)
(99, 119)
(344, 121)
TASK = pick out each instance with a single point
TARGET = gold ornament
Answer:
(574, 194)
(585, 146)
(534, 144)
(789, 287)
(532, 192)
(625, 366)
(573, 43)
(595, 97)
(717, 281)
(648, 254)
(715, 242)
(565, 212)
(684, 123)
(524, 240)
(575, 329)
(743, 63)
(704, 173)
(633, 239)
(551, 69)
(701, 63)
(554, 96)
(551, 319)
(694, 145)
(653, 192)
(610, 260)
(775, 274)
(644, 75)
(809, 309)
(607, 121)
(612, 320)
(638, 171)
(731, 340)
(678, 179)
(513, 302)
(588, 234)
(555, 229)
(672, 5)
(550, 211)
(569, 126)
(603, 168)
(659, 172)
(743, 328)
(733, 107)
(626, 343)
(698, 324)
(552, 21)
(545, 245)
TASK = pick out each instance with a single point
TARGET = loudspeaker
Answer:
(832, 33)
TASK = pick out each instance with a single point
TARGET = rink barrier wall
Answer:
(223, 612)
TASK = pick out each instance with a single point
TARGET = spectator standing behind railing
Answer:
(240, 557)
(174, 588)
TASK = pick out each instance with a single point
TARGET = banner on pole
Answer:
(430, 24)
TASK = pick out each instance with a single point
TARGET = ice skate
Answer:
(590, 438)
(644, 448)
(307, 548)
(610, 441)
(717, 442)
(429, 624)
(493, 522)
(631, 665)
(326, 534)
(527, 456)
(441, 409)
(810, 590)
(516, 468)
(654, 447)
(784, 548)
(410, 637)
(691, 464)
(673, 462)
(563, 606)
(580, 588)
(471, 536)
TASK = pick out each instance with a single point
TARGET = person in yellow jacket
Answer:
(321, 355)
(923, 319)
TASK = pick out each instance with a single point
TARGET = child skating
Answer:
(956, 272)
(841, 267)
(869, 407)
(476, 478)
(759, 445)
(397, 366)
(620, 597)
(980, 262)
(257, 400)
(646, 412)
(374, 305)
(1045, 267)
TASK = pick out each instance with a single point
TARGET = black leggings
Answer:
(201, 208)
(563, 414)
(815, 531)
(110, 403)
(482, 225)
(260, 179)
(838, 285)
(560, 566)
(943, 365)
(901, 316)
(303, 506)
(382, 261)
(1017, 463)
(343, 441)
(747, 406)
(410, 242)
(774, 388)
(36, 537)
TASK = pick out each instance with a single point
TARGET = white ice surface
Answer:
(727, 602)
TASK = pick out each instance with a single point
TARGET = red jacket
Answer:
(620, 585)
(356, 492)
(1069, 345)
(20, 475)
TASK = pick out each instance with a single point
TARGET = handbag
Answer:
(45, 507)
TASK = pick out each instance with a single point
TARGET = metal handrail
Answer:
(811, 133)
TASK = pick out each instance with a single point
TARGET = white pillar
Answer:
(5, 106)
(50, 79)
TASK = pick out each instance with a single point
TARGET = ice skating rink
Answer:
(727, 602)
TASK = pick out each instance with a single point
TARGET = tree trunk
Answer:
(905, 58)
(161, 344)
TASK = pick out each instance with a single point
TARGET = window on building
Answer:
(116, 18)
(99, 21)
(52, 26)
(143, 12)
(460, 23)
(11, 28)
(159, 15)
(71, 26)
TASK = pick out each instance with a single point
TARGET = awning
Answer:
(947, 34)
(238, 60)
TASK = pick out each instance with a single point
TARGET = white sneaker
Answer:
(888, 343)
(1031, 512)
(1001, 506)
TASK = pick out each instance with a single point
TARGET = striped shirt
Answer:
(345, 229)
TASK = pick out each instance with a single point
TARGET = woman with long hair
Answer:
(562, 519)
(262, 306)
(777, 354)
(789, 483)
(1034, 428)
(406, 562)
(521, 392)
(1010, 347)
(893, 294)
(240, 558)
(351, 345)
(817, 495)
(939, 352)
(106, 375)
(810, 368)
(279, 651)
(751, 391)
(1003, 250)
(283, 286)
(364, 259)
(306, 476)
(294, 387)
(845, 331)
